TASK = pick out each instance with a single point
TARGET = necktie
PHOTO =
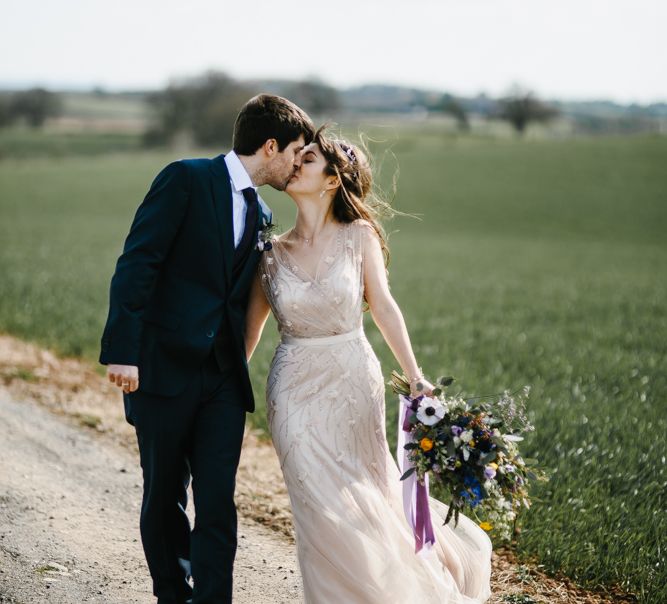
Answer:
(246, 242)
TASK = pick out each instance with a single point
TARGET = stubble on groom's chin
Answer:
(283, 185)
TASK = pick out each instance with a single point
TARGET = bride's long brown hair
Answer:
(356, 197)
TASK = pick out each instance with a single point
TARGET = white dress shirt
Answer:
(240, 180)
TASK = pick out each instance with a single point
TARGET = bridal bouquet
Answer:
(470, 447)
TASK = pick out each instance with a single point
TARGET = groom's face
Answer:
(284, 164)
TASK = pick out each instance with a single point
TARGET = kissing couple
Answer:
(191, 292)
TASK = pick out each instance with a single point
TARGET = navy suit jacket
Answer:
(172, 293)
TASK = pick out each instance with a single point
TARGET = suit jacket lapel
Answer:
(222, 201)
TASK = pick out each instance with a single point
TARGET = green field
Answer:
(537, 262)
(26, 143)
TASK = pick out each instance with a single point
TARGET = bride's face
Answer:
(310, 177)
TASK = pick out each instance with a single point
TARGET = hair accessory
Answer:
(351, 155)
(347, 150)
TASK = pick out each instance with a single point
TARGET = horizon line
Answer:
(64, 87)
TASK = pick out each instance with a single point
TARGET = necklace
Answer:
(307, 240)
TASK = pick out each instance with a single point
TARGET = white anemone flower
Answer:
(430, 411)
(466, 436)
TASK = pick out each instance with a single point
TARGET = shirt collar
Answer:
(238, 175)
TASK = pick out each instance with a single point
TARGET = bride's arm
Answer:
(386, 313)
(256, 315)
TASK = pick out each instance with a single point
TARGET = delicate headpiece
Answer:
(349, 151)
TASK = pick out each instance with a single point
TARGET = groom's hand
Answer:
(124, 376)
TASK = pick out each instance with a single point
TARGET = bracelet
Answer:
(417, 379)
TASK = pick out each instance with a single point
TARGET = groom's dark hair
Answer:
(268, 116)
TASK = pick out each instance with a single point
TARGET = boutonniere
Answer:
(265, 237)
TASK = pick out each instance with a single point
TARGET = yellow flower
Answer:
(458, 463)
(485, 525)
(494, 465)
(426, 444)
(471, 443)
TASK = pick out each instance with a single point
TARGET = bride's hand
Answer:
(426, 389)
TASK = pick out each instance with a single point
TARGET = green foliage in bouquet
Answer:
(470, 447)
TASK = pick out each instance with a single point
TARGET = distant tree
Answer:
(217, 100)
(520, 108)
(35, 106)
(204, 107)
(313, 96)
(449, 105)
(5, 114)
(171, 109)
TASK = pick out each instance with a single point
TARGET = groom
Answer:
(174, 342)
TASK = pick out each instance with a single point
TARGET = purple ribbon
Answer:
(415, 494)
(424, 529)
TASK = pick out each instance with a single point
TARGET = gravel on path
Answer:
(69, 513)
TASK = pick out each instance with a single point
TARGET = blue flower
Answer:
(469, 480)
(474, 486)
(475, 498)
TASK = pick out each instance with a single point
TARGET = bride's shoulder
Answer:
(364, 229)
(364, 237)
(362, 226)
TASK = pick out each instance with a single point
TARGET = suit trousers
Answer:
(196, 435)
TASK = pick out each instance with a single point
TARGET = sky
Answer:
(560, 49)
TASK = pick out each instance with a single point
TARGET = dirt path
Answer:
(68, 521)
(70, 491)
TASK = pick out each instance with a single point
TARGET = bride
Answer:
(325, 397)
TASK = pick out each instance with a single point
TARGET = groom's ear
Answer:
(270, 147)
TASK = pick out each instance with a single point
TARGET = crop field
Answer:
(26, 143)
(539, 262)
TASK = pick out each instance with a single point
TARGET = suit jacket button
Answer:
(210, 334)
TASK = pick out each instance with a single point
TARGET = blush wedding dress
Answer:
(326, 412)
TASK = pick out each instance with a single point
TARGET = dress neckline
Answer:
(303, 274)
